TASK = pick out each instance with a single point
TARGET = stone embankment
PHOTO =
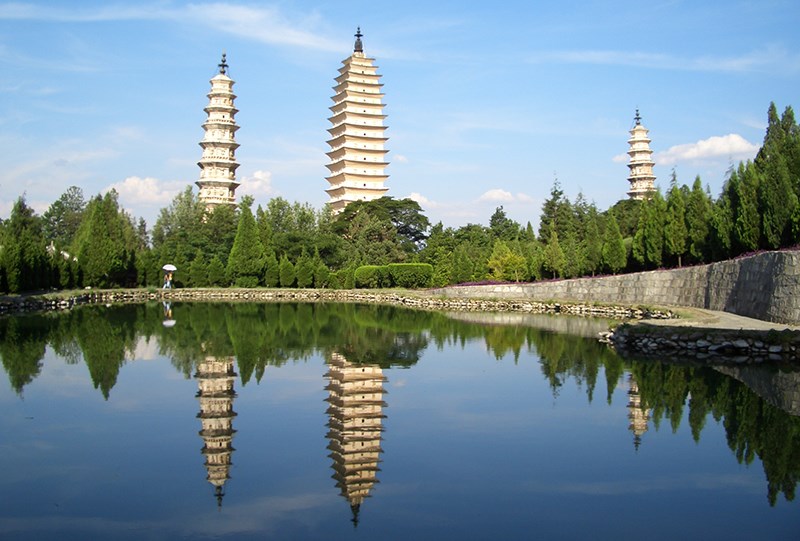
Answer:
(411, 299)
(737, 346)
(764, 286)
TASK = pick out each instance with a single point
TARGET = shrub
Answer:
(367, 276)
(411, 275)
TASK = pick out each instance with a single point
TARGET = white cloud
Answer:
(620, 158)
(259, 184)
(423, 201)
(263, 24)
(136, 191)
(766, 59)
(400, 158)
(497, 194)
(732, 146)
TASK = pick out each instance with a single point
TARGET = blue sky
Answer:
(487, 102)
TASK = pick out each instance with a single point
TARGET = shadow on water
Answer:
(756, 405)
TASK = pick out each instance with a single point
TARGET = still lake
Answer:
(344, 421)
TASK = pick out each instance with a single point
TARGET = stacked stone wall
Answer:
(764, 286)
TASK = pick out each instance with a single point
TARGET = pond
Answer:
(345, 421)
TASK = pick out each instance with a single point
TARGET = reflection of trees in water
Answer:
(261, 335)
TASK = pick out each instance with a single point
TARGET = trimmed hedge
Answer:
(368, 276)
(411, 275)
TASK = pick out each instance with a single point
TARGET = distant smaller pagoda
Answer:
(641, 162)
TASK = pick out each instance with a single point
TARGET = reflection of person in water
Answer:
(167, 310)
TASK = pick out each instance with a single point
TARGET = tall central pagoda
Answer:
(218, 165)
(641, 162)
(358, 156)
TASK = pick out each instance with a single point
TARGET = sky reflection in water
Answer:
(502, 432)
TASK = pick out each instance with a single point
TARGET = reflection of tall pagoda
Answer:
(641, 162)
(356, 423)
(358, 158)
(215, 377)
(638, 416)
(218, 165)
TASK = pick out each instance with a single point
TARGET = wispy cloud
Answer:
(147, 191)
(767, 59)
(732, 146)
(263, 24)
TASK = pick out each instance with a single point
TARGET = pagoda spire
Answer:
(218, 164)
(358, 156)
(641, 162)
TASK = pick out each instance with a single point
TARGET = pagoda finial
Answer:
(223, 65)
(638, 117)
(359, 47)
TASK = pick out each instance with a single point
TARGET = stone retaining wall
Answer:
(764, 286)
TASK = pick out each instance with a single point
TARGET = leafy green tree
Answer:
(63, 217)
(198, 271)
(24, 258)
(505, 264)
(287, 272)
(554, 260)
(675, 233)
(272, 275)
(463, 268)
(216, 273)
(321, 271)
(105, 244)
(743, 188)
(502, 227)
(305, 271)
(246, 262)
(442, 267)
(698, 222)
(614, 253)
(592, 241)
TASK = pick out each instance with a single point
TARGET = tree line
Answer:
(78, 243)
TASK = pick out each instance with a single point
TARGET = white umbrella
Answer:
(169, 267)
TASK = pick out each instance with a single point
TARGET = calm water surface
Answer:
(292, 421)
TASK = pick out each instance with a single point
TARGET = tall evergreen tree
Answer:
(554, 260)
(287, 273)
(614, 254)
(305, 271)
(272, 275)
(246, 262)
(743, 187)
(675, 233)
(698, 222)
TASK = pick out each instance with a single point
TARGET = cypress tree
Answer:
(675, 233)
(246, 262)
(698, 219)
(287, 273)
(272, 275)
(198, 271)
(614, 255)
(305, 271)
(216, 272)
(553, 255)
(744, 206)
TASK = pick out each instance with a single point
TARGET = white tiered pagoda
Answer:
(215, 377)
(638, 416)
(218, 165)
(358, 156)
(641, 162)
(356, 423)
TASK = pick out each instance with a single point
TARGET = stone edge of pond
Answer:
(727, 346)
(413, 299)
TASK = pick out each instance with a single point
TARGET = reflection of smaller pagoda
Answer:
(215, 381)
(638, 416)
(356, 423)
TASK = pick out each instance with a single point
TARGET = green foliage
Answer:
(507, 265)
(553, 260)
(614, 254)
(368, 276)
(63, 218)
(286, 272)
(246, 261)
(305, 271)
(411, 275)
(698, 222)
(216, 273)
(675, 232)
(502, 227)
(463, 267)
(198, 271)
(272, 273)
(24, 258)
